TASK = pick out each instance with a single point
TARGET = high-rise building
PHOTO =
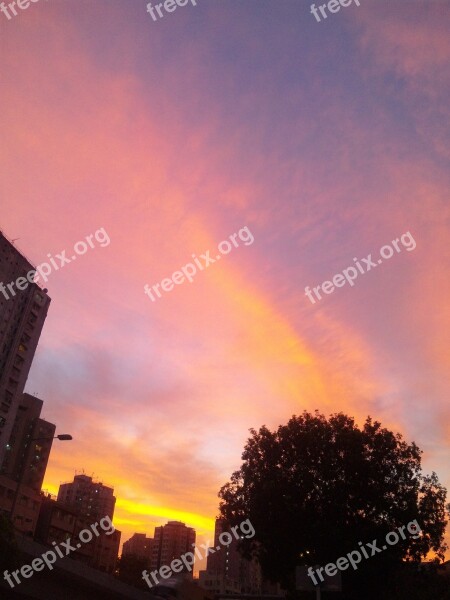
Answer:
(139, 545)
(91, 499)
(23, 309)
(26, 459)
(227, 572)
(58, 522)
(29, 446)
(171, 541)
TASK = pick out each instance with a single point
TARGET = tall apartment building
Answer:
(23, 309)
(25, 464)
(58, 522)
(139, 546)
(91, 499)
(29, 446)
(227, 572)
(171, 541)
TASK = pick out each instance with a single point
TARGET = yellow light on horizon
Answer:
(191, 519)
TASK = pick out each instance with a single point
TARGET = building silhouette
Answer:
(25, 464)
(171, 541)
(30, 443)
(139, 545)
(89, 498)
(23, 309)
(58, 522)
(227, 572)
(80, 504)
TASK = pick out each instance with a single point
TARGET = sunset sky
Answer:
(327, 140)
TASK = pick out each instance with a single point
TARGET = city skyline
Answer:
(319, 140)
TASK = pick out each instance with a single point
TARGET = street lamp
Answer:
(63, 437)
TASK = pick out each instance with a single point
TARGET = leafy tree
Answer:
(316, 487)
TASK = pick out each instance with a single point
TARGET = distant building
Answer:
(171, 541)
(58, 522)
(89, 498)
(25, 461)
(227, 572)
(22, 316)
(139, 545)
(89, 501)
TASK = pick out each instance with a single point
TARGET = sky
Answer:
(326, 140)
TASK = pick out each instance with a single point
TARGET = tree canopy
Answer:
(315, 487)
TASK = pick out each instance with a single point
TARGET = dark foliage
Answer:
(316, 487)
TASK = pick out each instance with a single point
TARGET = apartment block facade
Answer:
(25, 464)
(90, 498)
(80, 504)
(171, 541)
(227, 572)
(29, 445)
(22, 316)
(58, 522)
(139, 546)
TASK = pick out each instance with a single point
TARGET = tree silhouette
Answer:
(316, 487)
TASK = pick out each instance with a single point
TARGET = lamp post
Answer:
(63, 437)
